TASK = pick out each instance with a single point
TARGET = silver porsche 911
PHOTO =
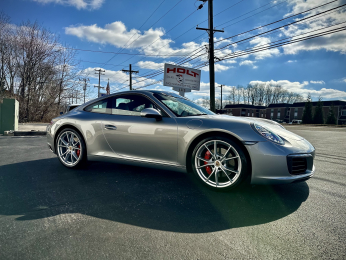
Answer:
(164, 130)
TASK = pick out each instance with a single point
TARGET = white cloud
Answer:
(79, 4)
(150, 65)
(263, 42)
(317, 82)
(291, 61)
(116, 34)
(333, 42)
(205, 90)
(218, 67)
(344, 80)
(301, 88)
(248, 63)
(149, 42)
(229, 61)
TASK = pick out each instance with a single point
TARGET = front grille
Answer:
(300, 163)
(299, 166)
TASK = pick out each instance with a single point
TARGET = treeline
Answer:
(259, 94)
(317, 116)
(36, 69)
(262, 94)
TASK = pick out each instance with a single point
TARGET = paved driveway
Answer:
(111, 211)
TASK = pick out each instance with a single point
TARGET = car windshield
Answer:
(181, 106)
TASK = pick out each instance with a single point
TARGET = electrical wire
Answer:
(125, 45)
(280, 43)
(159, 72)
(298, 21)
(251, 12)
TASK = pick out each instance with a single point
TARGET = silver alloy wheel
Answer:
(222, 168)
(69, 148)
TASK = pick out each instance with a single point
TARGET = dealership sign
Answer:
(181, 77)
(182, 89)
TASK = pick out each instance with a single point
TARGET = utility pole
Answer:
(85, 86)
(221, 94)
(130, 71)
(98, 92)
(211, 31)
(100, 72)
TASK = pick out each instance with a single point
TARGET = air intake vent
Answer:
(297, 165)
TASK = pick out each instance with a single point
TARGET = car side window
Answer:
(102, 106)
(131, 105)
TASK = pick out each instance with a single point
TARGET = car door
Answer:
(91, 121)
(132, 136)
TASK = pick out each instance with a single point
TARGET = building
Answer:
(279, 112)
(297, 110)
(283, 112)
(246, 110)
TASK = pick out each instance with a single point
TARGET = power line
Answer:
(271, 46)
(123, 53)
(152, 26)
(251, 12)
(303, 19)
(224, 10)
(207, 20)
(185, 32)
(165, 33)
(159, 72)
(115, 65)
(125, 45)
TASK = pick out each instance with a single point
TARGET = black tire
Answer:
(202, 175)
(82, 158)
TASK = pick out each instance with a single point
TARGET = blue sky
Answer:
(316, 66)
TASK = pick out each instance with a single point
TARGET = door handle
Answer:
(110, 127)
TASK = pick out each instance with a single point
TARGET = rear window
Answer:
(102, 106)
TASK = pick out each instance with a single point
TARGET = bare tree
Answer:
(35, 68)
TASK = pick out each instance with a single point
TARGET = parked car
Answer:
(164, 130)
(295, 122)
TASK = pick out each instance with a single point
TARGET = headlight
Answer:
(268, 134)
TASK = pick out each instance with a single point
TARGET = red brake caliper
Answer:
(207, 157)
(78, 151)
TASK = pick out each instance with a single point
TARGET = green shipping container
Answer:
(9, 114)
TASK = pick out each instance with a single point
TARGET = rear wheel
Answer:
(219, 163)
(71, 148)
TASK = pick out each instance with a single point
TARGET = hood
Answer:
(269, 124)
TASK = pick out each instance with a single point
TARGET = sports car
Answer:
(164, 130)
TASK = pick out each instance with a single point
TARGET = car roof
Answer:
(143, 91)
(130, 92)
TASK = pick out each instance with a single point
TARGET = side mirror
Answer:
(151, 113)
(61, 113)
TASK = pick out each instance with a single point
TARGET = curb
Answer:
(29, 133)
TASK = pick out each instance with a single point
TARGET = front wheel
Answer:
(71, 148)
(219, 163)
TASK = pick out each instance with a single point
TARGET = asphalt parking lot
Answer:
(111, 211)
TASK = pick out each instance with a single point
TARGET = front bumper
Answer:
(50, 139)
(272, 163)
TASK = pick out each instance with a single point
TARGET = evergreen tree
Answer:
(318, 115)
(331, 117)
(307, 114)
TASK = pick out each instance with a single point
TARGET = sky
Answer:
(147, 34)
